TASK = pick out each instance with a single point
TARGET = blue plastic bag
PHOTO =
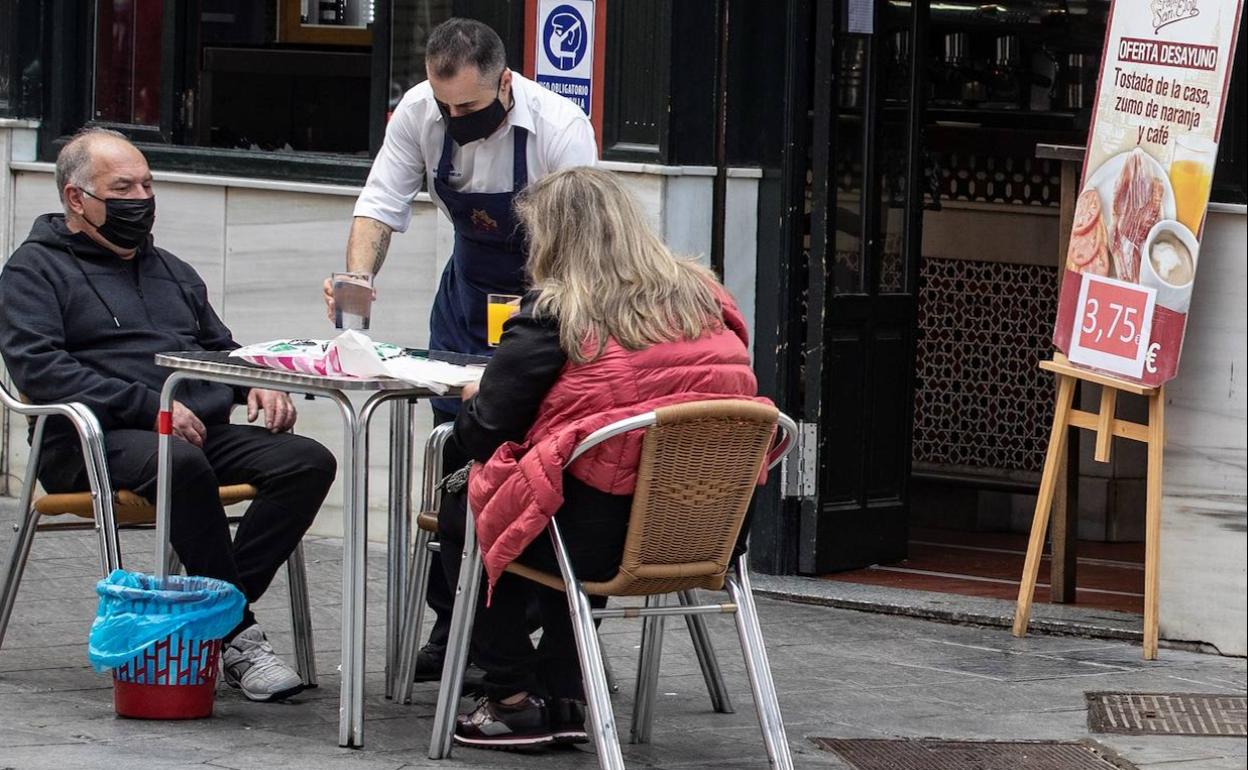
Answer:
(137, 611)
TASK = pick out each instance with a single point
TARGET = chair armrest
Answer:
(434, 446)
(784, 443)
(82, 418)
(85, 425)
(69, 409)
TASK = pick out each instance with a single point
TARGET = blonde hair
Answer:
(604, 273)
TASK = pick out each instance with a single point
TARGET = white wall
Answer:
(263, 249)
(1204, 546)
(17, 143)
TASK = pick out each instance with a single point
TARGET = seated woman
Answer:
(615, 325)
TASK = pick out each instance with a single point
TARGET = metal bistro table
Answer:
(219, 367)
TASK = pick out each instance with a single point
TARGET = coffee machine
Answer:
(958, 79)
(1074, 87)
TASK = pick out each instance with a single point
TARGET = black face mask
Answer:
(127, 221)
(475, 125)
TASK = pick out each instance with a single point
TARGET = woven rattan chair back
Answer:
(700, 463)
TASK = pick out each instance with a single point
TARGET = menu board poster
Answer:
(1152, 148)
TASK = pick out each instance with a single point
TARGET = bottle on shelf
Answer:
(331, 12)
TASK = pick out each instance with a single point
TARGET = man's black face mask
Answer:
(476, 125)
(127, 221)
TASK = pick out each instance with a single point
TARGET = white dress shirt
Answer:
(560, 136)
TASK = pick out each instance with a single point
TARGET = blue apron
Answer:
(488, 258)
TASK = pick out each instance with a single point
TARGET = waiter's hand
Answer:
(469, 390)
(329, 299)
(327, 290)
(186, 425)
(279, 412)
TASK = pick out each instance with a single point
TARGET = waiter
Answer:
(475, 133)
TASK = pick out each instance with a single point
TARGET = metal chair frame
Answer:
(417, 588)
(105, 524)
(589, 651)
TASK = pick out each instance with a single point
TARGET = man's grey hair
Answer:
(456, 43)
(73, 162)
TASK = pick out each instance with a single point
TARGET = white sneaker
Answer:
(250, 664)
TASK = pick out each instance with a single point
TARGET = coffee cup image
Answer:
(1170, 254)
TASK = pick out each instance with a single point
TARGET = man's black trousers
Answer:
(292, 475)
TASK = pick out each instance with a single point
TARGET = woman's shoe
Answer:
(567, 721)
(492, 725)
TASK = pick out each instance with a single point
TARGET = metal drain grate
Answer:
(1136, 713)
(933, 754)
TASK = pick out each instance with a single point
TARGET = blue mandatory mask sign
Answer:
(565, 61)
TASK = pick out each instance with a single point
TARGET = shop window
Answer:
(411, 24)
(287, 77)
(1230, 178)
(21, 63)
(328, 22)
(291, 89)
(299, 79)
(7, 23)
(302, 81)
(128, 61)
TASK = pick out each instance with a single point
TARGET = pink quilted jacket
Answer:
(516, 492)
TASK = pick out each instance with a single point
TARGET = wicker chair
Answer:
(106, 514)
(700, 463)
(417, 586)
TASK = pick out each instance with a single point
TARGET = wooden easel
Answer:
(1106, 426)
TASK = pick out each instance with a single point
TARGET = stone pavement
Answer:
(840, 673)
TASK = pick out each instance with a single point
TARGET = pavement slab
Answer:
(840, 672)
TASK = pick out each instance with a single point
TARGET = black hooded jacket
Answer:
(78, 323)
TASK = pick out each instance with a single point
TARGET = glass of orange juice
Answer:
(1191, 176)
(498, 308)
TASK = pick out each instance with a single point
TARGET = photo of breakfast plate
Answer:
(1089, 244)
(1132, 193)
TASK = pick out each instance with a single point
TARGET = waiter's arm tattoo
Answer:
(381, 246)
(368, 244)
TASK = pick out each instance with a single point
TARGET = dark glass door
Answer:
(866, 208)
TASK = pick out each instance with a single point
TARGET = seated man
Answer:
(85, 304)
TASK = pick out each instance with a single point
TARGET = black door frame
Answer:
(775, 106)
(860, 512)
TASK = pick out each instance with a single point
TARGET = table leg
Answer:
(164, 468)
(400, 529)
(354, 566)
(355, 571)
(355, 522)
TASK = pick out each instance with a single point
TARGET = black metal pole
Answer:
(774, 534)
(719, 193)
(379, 90)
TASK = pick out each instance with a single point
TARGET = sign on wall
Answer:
(565, 60)
(565, 52)
(1152, 148)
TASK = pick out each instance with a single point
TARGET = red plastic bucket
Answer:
(175, 679)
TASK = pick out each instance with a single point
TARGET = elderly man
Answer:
(85, 304)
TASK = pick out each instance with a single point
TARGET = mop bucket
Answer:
(162, 641)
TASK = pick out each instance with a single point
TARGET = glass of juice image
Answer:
(498, 308)
(1191, 176)
(353, 300)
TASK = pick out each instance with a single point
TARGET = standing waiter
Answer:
(475, 133)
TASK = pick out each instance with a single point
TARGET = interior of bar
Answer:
(987, 108)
